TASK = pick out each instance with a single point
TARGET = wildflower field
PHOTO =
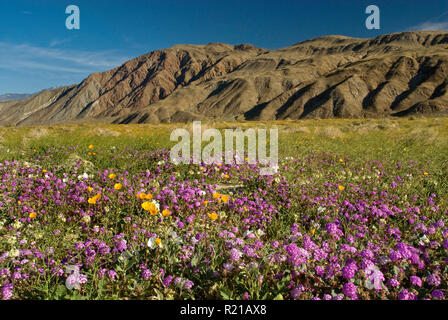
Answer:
(357, 210)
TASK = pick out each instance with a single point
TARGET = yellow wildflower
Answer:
(150, 206)
(166, 213)
(112, 176)
(213, 216)
(33, 215)
(146, 205)
(91, 146)
(118, 186)
(148, 196)
(341, 187)
(225, 198)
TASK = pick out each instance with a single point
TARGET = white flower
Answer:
(247, 233)
(17, 224)
(423, 240)
(175, 237)
(86, 218)
(11, 240)
(13, 253)
(152, 244)
(83, 176)
(156, 204)
(321, 209)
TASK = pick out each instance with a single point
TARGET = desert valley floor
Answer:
(357, 210)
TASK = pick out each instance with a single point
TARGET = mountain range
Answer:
(13, 96)
(332, 76)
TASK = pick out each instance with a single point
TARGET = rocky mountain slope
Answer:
(333, 76)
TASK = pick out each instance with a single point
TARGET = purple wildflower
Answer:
(167, 281)
(188, 284)
(235, 254)
(146, 274)
(349, 289)
(433, 280)
(7, 291)
(437, 294)
(416, 281)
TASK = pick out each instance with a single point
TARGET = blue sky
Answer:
(37, 51)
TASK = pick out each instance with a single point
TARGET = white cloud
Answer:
(431, 26)
(57, 42)
(29, 59)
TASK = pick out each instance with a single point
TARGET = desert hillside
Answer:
(333, 76)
